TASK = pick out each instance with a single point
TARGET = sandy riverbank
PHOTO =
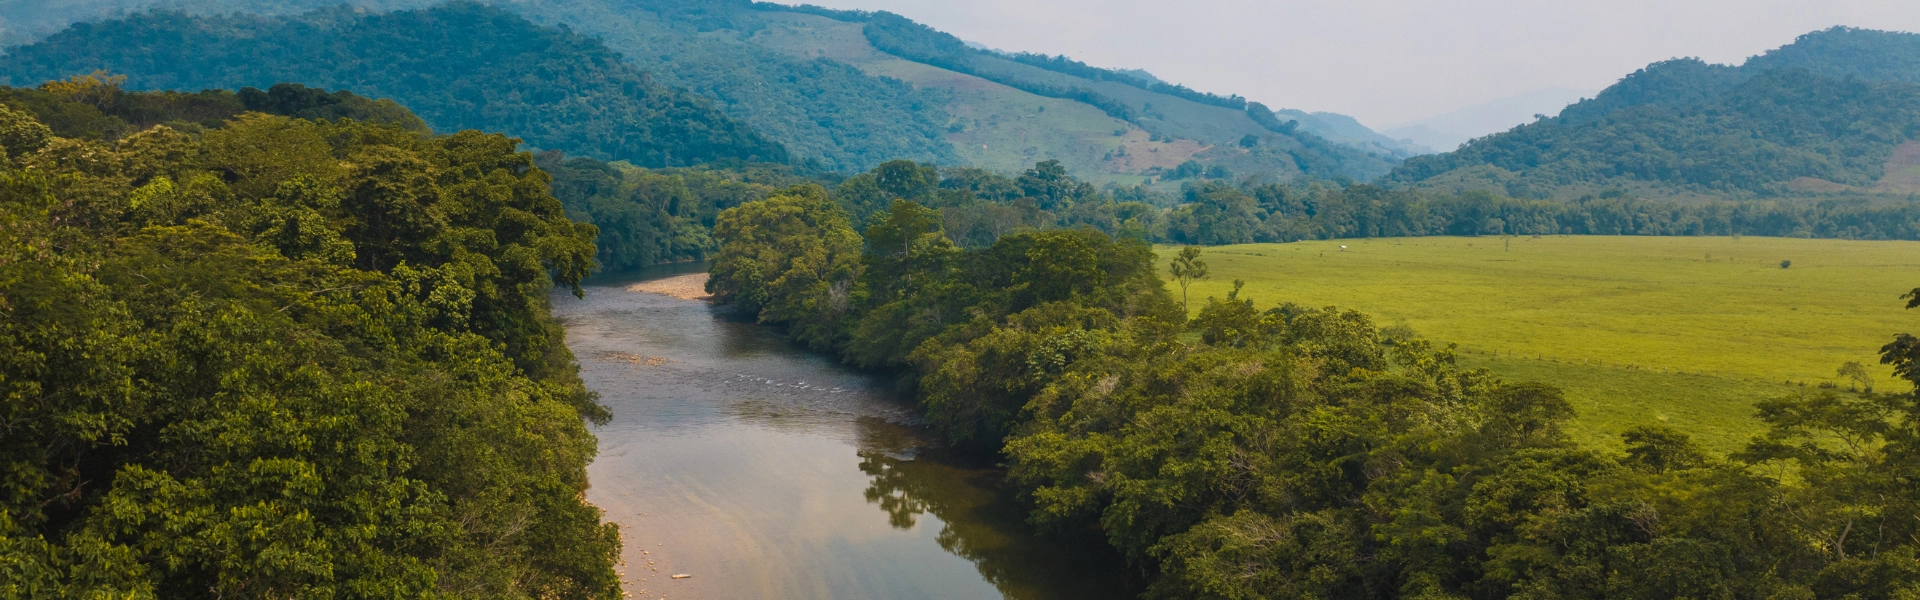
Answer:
(685, 287)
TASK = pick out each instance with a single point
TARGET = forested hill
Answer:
(459, 66)
(1836, 111)
(849, 90)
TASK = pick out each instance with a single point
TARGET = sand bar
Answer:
(685, 287)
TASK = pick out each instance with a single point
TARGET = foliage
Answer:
(280, 357)
(459, 65)
(654, 216)
(1187, 268)
(791, 259)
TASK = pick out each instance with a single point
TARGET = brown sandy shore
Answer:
(684, 287)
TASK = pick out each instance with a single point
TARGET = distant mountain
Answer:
(458, 66)
(1446, 132)
(1836, 111)
(847, 90)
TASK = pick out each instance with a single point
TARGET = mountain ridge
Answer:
(1830, 107)
(851, 116)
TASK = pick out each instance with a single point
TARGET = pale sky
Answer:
(1390, 61)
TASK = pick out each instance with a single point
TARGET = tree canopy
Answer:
(269, 356)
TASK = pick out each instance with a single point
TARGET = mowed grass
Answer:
(1687, 331)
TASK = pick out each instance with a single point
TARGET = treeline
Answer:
(250, 354)
(1217, 213)
(651, 216)
(1304, 452)
(461, 65)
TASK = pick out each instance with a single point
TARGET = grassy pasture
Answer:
(1686, 331)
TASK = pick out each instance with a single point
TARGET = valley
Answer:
(729, 299)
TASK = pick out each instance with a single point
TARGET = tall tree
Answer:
(1186, 269)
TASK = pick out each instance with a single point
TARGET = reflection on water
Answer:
(767, 472)
(980, 520)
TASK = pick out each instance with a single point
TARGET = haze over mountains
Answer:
(1447, 131)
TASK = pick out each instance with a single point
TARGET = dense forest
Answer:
(1302, 452)
(1829, 108)
(460, 65)
(285, 343)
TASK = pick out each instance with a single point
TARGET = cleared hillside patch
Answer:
(1685, 330)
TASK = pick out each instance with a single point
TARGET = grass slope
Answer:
(999, 127)
(1685, 330)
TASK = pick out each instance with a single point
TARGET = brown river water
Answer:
(764, 471)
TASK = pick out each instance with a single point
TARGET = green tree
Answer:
(791, 259)
(1050, 187)
(1856, 375)
(1659, 449)
(1186, 269)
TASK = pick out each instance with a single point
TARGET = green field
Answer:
(1685, 331)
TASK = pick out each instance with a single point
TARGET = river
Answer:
(766, 472)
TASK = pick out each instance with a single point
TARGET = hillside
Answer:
(1836, 111)
(459, 66)
(848, 90)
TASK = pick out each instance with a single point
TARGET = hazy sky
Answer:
(1390, 61)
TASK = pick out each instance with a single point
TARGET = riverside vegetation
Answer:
(1305, 452)
(286, 344)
